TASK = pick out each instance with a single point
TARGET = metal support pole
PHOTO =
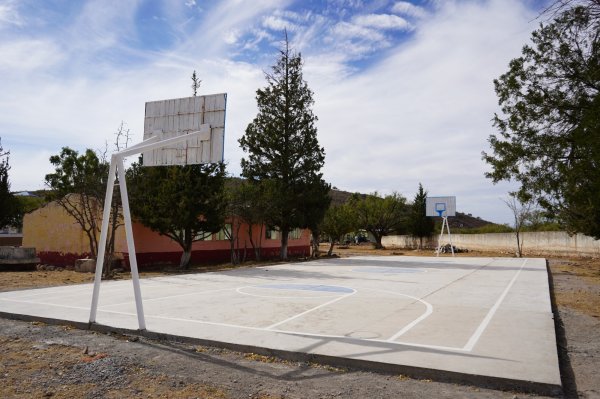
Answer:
(439, 247)
(130, 245)
(449, 236)
(103, 233)
(446, 225)
(117, 167)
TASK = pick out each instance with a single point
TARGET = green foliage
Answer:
(283, 151)
(30, 204)
(420, 225)
(78, 185)
(10, 209)
(250, 204)
(381, 216)
(487, 229)
(76, 173)
(184, 203)
(549, 130)
(338, 221)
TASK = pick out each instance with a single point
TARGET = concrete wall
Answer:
(12, 240)
(543, 242)
(17, 253)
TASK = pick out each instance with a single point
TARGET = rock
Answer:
(85, 265)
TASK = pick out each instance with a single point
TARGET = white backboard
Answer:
(171, 118)
(441, 206)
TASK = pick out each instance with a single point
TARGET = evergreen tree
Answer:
(184, 203)
(10, 209)
(549, 129)
(283, 150)
(195, 83)
(420, 225)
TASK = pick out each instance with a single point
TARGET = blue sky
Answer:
(403, 89)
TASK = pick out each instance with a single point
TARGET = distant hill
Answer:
(465, 220)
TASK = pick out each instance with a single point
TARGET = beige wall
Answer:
(50, 228)
(543, 242)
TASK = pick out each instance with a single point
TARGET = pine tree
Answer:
(548, 136)
(9, 205)
(283, 150)
(195, 83)
(420, 225)
(184, 203)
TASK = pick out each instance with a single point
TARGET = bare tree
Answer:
(560, 6)
(521, 212)
(122, 139)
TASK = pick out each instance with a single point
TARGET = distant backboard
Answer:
(171, 118)
(441, 206)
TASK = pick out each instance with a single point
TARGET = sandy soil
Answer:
(38, 360)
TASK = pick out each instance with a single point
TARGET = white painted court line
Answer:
(428, 312)
(240, 290)
(70, 289)
(296, 333)
(310, 310)
(46, 304)
(132, 301)
(488, 317)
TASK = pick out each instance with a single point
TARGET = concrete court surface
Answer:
(480, 320)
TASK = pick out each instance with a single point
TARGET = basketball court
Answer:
(480, 320)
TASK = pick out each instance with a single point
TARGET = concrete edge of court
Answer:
(415, 372)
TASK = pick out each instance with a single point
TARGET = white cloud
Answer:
(232, 37)
(190, 3)
(346, 30)
(382, 21)
(27, 55)
(409, 9)
(279, 24)
(421, 114)
(9, 15)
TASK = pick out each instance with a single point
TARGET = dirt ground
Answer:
(43, 361)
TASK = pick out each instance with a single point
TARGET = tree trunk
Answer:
(185, 259)
(331, 244)
(110, 250)
(187, 250)
(284, 243)
(378, 241)
(420, 242)
(315, 244)
(92, 242)
(258, 251)
(519, 246)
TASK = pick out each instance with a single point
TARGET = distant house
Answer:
(11, 236)
(60, 241)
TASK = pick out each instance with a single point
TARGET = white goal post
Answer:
(117, 168)
(182, 131)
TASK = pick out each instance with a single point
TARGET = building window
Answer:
(295, 234)
(203, 236)
(271, 233)
(224, 233)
